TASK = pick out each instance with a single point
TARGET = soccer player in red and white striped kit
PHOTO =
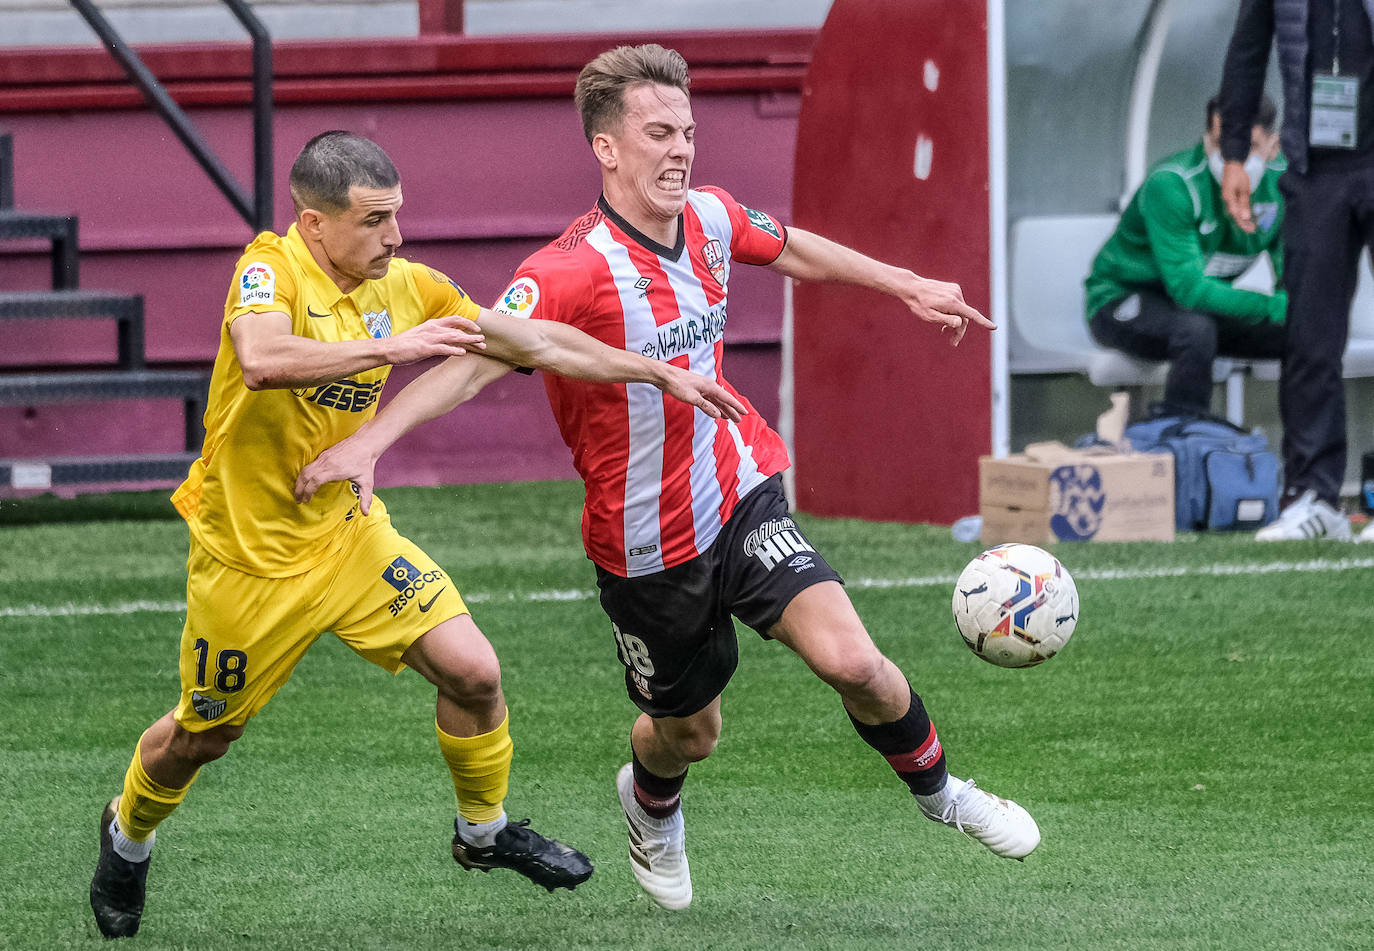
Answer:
(685, 517)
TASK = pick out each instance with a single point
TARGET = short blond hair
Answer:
(600, 90)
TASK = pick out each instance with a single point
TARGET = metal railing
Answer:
(254, 208)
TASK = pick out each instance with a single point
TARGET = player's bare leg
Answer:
(822, 627)
(164, 764)
(650, 790)
(472, 726)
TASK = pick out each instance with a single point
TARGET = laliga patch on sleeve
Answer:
(761, 221)
(257, 285)
(520, 298)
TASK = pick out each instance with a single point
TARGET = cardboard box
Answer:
(1053, 493)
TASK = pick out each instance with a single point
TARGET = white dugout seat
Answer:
(1050, 258)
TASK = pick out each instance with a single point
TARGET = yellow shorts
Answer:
(378, 592)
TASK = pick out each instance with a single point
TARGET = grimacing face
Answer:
(651, 154)
(359, 242)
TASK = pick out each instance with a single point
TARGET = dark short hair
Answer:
(332, 163)
(600, 90)
(1266, 116)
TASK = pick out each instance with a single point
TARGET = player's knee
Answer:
(694, 740)
(204, 747)
(476, 686)
(855, 674)
(697, 745)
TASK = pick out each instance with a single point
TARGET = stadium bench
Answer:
(1050, 258)
(125, 309)
(59, 230)
(96, 470)
(189, 386)
(127, 379)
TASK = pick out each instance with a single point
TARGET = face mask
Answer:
(1254, 167)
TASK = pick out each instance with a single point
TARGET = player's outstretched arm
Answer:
(273, 357)
(566, 351)
(432, 394)
(809, 257)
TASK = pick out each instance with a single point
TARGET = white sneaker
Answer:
(1367, 533)
(1000, 824)
(658, 856)
(1308, 517)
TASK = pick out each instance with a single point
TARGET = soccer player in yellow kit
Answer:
(313, 323)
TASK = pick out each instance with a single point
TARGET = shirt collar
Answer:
(321, 286)
(643, 240)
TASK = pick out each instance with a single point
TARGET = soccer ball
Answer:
(1015, 605)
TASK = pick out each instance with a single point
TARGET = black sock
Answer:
(910, 746)
(657, 796)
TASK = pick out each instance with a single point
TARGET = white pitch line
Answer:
(73, 610)
(1108, 574)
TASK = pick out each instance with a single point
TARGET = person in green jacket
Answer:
(1161, 287)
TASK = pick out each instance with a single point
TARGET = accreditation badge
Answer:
(1335, 105)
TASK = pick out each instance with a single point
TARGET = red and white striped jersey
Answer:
(661, 477)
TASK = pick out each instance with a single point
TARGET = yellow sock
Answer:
(481, 770)
(144, 803)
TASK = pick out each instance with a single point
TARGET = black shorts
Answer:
(673, 629)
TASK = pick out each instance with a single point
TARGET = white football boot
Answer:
(1308, 517)
(658, 855)
(1366, 533)
(1000, 824)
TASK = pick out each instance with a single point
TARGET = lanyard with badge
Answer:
(1335, 98)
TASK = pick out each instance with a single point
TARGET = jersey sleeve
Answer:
(756, 237)
(440, 296)
(264, 283)
(548, 286)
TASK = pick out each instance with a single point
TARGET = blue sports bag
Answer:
(1225, 478)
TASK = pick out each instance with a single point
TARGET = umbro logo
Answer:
(642, 285)
(801, 563)
(311, 311)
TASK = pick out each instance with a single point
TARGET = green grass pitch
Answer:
(1200, 758)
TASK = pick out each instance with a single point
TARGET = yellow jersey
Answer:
(237, 498)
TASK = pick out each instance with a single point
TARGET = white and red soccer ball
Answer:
(1015, 605)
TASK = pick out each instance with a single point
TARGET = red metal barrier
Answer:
(892, 159)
